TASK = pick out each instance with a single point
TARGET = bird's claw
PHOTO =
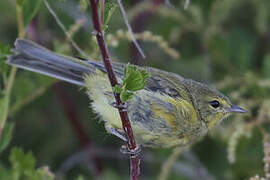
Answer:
(133, 152)
(122, 107)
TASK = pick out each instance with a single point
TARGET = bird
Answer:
(169, 111)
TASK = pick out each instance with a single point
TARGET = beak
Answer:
(236, 109)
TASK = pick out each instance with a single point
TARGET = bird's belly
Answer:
(151, 127)
(148, 129)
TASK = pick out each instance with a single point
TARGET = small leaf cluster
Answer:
(23, 167)
(134, 80)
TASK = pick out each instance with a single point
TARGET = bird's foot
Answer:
(134, 152)
(122, 107)
(117, 132)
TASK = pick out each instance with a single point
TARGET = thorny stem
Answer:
(131, 144)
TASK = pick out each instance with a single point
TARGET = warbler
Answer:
(170, 111)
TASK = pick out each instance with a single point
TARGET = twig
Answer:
(9, 85)
(130, 29)
(131, 144)
(73, 43)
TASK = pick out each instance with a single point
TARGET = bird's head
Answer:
(211, 105)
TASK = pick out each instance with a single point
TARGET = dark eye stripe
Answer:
(214, 103)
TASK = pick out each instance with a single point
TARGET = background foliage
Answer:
(223, 43)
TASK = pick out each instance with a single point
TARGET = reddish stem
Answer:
(131, 144)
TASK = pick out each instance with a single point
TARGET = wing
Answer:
(163, 82)
(162, 121)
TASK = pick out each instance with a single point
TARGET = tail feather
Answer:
(33, 57)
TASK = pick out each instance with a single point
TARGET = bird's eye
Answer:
(214, 104)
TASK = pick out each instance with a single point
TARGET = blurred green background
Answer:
(222, 43)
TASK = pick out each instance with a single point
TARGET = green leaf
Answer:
(126, 95)
(145, 74)
(6, 136)
(22, 163)
(30, 8)
(109, 10)
(23, 167)
(135, 79)
(117, 89)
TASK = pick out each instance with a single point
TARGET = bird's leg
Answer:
(121, 134)
(121, 107)
(125, 150)
(117, 132)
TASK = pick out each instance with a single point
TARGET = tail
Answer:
(31, 56)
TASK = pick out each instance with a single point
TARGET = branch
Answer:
(11, 78)
(73, 43)
(131, 143)
(130, 29)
